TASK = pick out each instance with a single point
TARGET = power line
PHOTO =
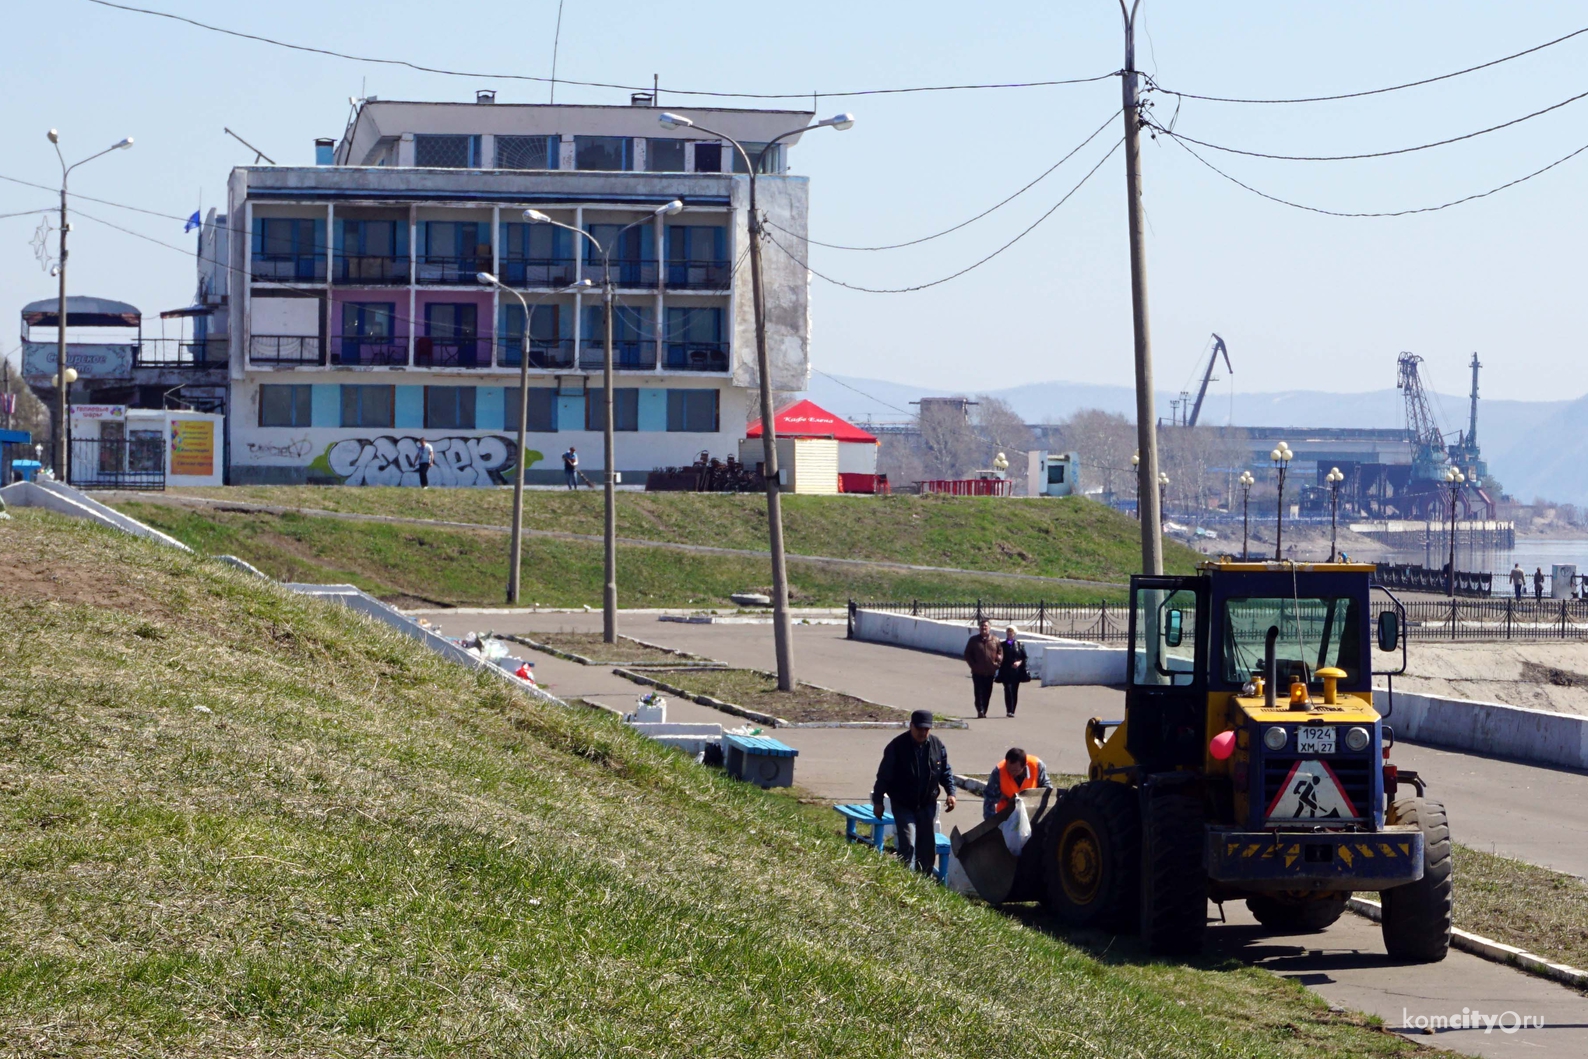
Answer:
(90, 198)
(27, 213)
(967, 268)
(894, 246)
(1387, 213)
(867, 396)
(587, 84)
(1374, 91)
(1374, 154)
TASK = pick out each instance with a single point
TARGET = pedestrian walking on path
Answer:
(1518, 580)
(425, 457)
(914, 765)
(1538, 584)
(1018, 771)
(984, 654)
(1013, 670)
(570, 467)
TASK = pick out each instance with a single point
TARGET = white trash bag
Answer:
(1017, 828)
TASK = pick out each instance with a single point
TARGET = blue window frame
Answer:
(528, 152)
(285, 406)
(449, 407)
(542, 409)
(692, 411)
(625, 408)
(447, 152)
(369, 406)
(451, 337)
(288, 249)
(613, 153)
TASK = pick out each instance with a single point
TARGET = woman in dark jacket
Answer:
(1013, 670)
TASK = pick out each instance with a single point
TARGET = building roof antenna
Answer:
(258, 154)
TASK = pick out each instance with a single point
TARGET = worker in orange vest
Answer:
(1017, 772)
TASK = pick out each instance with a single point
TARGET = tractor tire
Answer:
(1286, 914)
(1174, 882)
(1092, 857)
(1416, 917)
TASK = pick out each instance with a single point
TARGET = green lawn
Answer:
(234, 821)
(1054, 538)
(418, 565)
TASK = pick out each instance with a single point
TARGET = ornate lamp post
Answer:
(1163, 495)
(1247, 481)
(1281, 457)
(1135, 481)
(1334, 478)
(1454, 479)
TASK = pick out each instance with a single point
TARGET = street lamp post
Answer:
(1281, 457)
(1334, 478)
(782, 628)
(1135, 482)
(1163, 496)
(61, 425)
(609, 533)
(516, 547)
(1454, 479)
(1247, 481)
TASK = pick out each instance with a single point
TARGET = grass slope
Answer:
(1054, 538)
(458, 567)
(235, 821)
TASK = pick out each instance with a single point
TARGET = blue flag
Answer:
(192, 223)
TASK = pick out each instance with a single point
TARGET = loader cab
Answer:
(1166, 697)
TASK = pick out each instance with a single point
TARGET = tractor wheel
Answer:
(1298, 913)
(1416, 919)
(1093, 856)
(1174, 882)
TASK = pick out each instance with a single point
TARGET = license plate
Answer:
(1315, 740)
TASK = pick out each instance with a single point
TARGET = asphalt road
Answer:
(1522, 811)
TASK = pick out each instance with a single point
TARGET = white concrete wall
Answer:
(1053, 660)
(1537, 736)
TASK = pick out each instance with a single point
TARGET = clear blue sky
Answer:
(1304, 301)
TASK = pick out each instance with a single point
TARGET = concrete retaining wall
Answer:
(1056, 661)
(1536, 736)
(54, 496)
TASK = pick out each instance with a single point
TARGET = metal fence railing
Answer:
(1420, 578)
(1096, 622)
(1427, 621)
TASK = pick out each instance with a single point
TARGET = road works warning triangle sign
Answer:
(1311, 792)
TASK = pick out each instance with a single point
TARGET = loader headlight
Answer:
(1276, 737)
(1356, 739)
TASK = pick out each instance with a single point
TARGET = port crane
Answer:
(1219, 350)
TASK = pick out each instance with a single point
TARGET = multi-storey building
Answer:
(358, 326)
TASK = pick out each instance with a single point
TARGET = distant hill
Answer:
(1509, 431)
(1547, 456)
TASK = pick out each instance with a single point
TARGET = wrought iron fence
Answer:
(119, 463)
(1420, 578)
(1095, 622)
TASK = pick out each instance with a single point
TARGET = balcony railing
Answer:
(453, 270)
(285, 349)
(288, 268)
(626, 355)
(530, 273)
(181, 354)
(626, 272)
(376, 271)
(451, 352)
(697, 356)
(543, 352)
(370, 350)
(699, 275)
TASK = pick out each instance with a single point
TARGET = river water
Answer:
(1531, 552)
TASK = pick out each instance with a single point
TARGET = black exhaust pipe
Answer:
(1270, 675)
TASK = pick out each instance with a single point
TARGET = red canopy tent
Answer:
(857, 449)
(807, 419)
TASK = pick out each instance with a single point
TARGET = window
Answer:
(284, 406)
(536, 241)
(457, 239)
(372, 239)
(771, 158)
(630, 246)
(369, 406)
(451, 336)
(1313, 633)
(708, 157)
(603, 152)
(527, 152)
(630, 323)
(542, 409)
(664, 156)
(543, 322)
(449, 408)
(286, 237)
(368, 319)
(694, 326)
(625, 409)
(697, 242)
(1055, 474)
(447, 152)
(692, 411)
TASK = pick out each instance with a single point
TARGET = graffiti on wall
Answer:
(295, 449)
(460, 461)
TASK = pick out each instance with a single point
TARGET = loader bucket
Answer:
(999, 876)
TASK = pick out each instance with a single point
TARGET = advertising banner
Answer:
(192, 447)
(93, 360)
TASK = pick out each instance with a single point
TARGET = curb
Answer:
(1488, 949)
(767, 718)
(691, 661)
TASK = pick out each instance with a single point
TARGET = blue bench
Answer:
(857, 815)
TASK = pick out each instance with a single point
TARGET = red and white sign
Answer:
(1312, 792)
(806, 419)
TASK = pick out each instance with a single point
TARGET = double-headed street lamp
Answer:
(61, 425)
(782, 629)
(1281, 457)
(1334, 478)
(609, 533)
(1247, 481)
(516, 548)
(1454, 479)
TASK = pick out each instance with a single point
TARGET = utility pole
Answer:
(1146, 415)
(61, 425)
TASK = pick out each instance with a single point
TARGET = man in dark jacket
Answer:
(914, 765)
(984, 654)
